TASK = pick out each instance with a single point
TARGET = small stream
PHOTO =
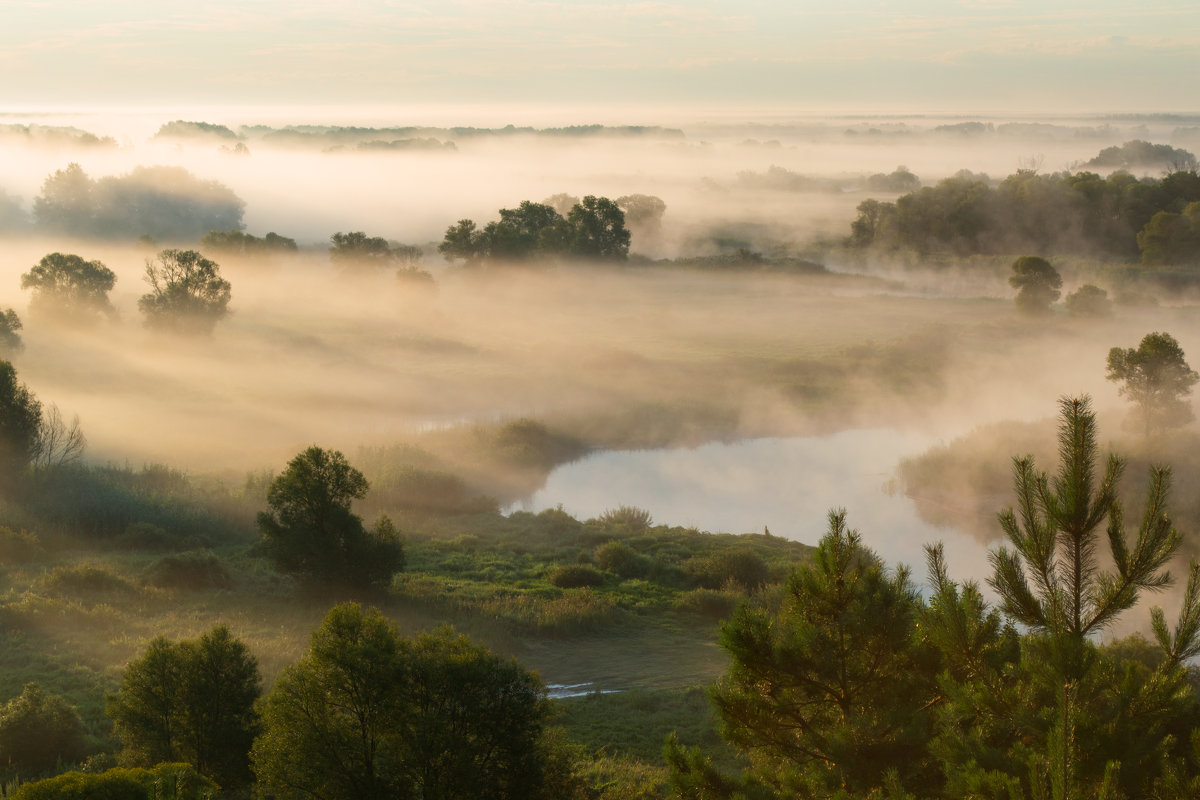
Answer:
(787, 485)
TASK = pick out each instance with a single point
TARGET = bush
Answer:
(87, 581)
(163, 782)
(631, 517)
(190, 571)
(18, 546)
(576, 576)
(713, 603)
(38, 730)
(621, 559)
(742, 567)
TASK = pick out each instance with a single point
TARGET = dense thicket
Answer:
(593, 228)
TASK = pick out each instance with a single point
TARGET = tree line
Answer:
(1120, 216)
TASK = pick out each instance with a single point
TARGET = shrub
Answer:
(631, 517)
(622, 559)
(713, 603)
(163, 782)
(576, 576)
(191, 571)
(38, 730)
(742, 567)
(18, 546)
(87, 581)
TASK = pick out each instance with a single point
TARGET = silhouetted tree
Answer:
(20, 421)
(68, 288)
(187, 293)
(10, 339)
(369, 714)
(1037, 284)
(39, 730)
(311, 530)
(190, 701)
(596, 229)
(1157, 378)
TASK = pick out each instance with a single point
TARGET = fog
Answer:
(634, 356)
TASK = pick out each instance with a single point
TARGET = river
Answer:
(787, 485)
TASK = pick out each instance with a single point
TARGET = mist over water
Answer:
(787, 486)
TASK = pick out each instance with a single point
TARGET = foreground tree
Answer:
(1157, 378)
(830, 693)
(369, 714)
(20, 422)
(187, 293)
(190, 701)
(39, 730)
(312, 531)
(1037, 284)
(70, 289)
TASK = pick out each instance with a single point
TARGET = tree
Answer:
(1037, 284)
(68, 288)
(20, 421)
(187, 293)
(1052, 583)
(39, 730)
(1088, 301)
(830, 692)
(58, 443)
(190, 701)
(10, 339)
(311, 530)
(65, 204)
(1171, 238)
(528, 231)
(596, 229)
(643, 215)
(463, 242)
(1156, 377)
(369, 714)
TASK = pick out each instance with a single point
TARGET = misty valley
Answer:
(351, 458)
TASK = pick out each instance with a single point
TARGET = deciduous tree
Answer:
(1037, 284)
(68, 288)
(1157, 378)
(187, 293)
(312, 531)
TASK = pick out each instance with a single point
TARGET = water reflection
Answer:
(786, 485)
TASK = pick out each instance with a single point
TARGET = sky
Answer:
(970, 56)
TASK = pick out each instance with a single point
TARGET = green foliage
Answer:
(575, 576)
(1080, 212)
(18, 546)
(20, 421)
(593, 228)
(631, 518)
(1037, 284)
(187, 293)
(830, 692)
(10, 338)
(1172, 238)
(37, 731)
(739, 566)
(311, 531)
(369, 714)
(596, 229)
(190, 701)
(1157, 378)
(161, 202)
(70, 289)
(162, 782)
(195, 572)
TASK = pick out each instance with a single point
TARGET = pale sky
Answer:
(973, 56)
